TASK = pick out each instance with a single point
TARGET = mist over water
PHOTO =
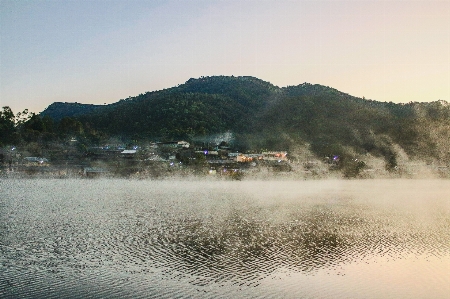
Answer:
(116, 238)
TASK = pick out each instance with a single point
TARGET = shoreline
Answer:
(292, 176)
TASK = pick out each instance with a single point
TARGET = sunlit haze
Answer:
(102, 51)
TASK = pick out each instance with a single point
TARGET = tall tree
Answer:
(7, 126)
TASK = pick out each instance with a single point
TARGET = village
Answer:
(156, 159)
(182, 159)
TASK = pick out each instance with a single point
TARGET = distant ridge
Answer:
(245, 90)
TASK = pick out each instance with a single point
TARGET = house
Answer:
(128, 153)
(183, 144)
(233, 156)
(243, 158)
(274, 156)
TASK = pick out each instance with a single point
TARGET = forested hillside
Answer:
(257, 113)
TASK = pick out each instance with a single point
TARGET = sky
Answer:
(98, 52)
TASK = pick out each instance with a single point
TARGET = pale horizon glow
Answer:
(98, 52)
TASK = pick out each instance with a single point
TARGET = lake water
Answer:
(64, 238)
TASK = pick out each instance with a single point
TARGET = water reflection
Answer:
(245, 245)
(203, 235)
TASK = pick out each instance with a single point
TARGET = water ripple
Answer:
(102, 241)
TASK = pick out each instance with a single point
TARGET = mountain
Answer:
(264, 116)
(200, 106)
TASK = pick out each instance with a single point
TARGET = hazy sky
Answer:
(103, 51)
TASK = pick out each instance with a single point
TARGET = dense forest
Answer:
(258, 114)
